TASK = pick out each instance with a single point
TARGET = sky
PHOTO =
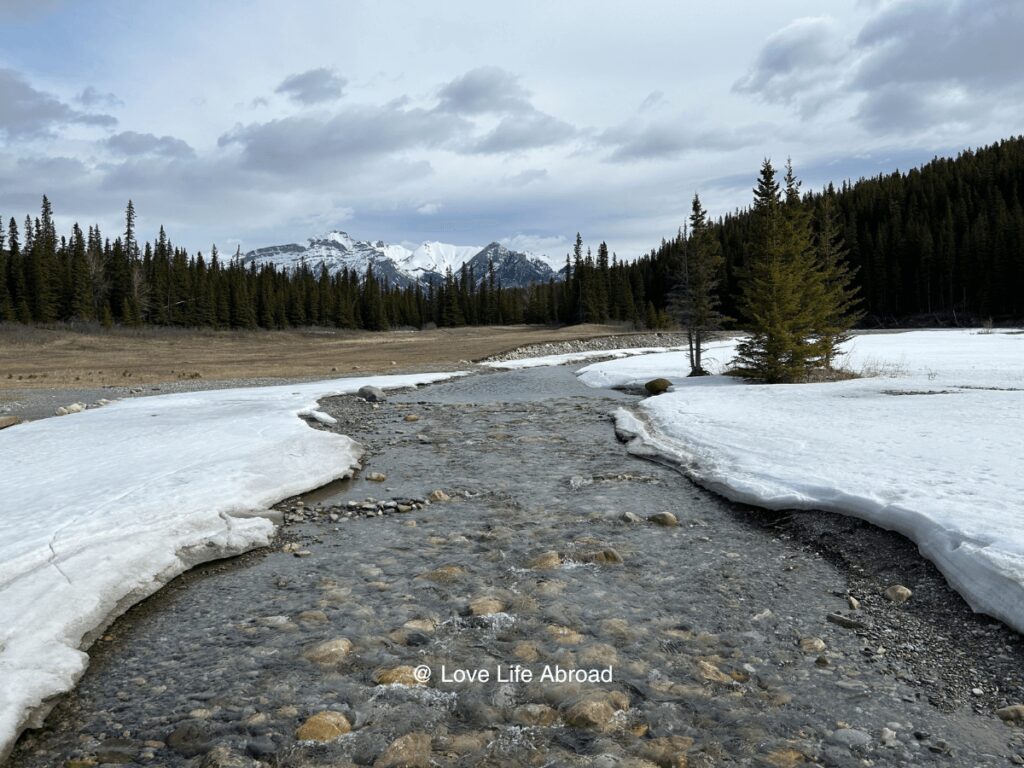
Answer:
(254, 123)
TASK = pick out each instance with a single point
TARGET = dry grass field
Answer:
(67, 358)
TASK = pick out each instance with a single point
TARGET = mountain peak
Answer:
(402, 267)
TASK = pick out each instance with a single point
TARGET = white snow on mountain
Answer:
(101, 508)
(403, 264)
(928, 443)
(435, 257)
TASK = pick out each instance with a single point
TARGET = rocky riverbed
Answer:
(498, 523)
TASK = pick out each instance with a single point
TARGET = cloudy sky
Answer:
(256, 123)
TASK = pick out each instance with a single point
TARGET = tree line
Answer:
(87, 277)
(939, 244)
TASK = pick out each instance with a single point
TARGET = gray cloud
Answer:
(669, 138)
(484, 90)
(131, 143)
(517, 133)
(528, 176)
(926, 66)
(30, 113)
(22, 9)
(974, 43)
(652, 100)
(794, 62)
(90, 97)
(313, 86)
(914, 65)
(313, 144)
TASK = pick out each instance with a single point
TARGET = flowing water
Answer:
(713, 632)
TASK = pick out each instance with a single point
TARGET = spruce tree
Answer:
(780, 288)
(695, 296)
(839, 310)
(6, 307)
(81, 288)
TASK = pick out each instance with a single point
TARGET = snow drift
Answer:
(102, 508)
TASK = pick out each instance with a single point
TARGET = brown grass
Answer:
(55, 358)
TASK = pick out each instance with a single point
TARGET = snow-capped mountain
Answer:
(401, 266)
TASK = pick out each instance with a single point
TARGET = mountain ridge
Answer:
(402, 267)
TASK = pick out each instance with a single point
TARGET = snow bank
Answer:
(930, 446)
(99, 509)
(574, 357)
(671, 363)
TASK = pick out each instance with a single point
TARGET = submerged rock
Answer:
(329, 652)
(323, 726)
(409, 751)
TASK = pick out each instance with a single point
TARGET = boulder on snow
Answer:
(371, 394)
(657, 386)
(8, 421)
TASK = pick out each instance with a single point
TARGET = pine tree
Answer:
(839, 310)
(6, 307)
(780, 289)
(16, 275)
(81, 305)
(695, 298)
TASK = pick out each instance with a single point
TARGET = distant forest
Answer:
(943, 244)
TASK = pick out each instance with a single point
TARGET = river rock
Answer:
(1014, 713)
(329, 652)
(604, 557)
(409, 751)
(8, 421)
(445, 574)
(190, 738)
(591, 714)
(564, 635)
(534, 715)
(812, 645)
(850, 738)
(371, 394)
(117, 751)
(666, 519)
(713, 674)
(411, 417)
(630, 517)
(376, 477)
(403, 675)
(524, 650)
(668, 750)
(657, 386)
(323, 726)
(897, 593)
(222, 757)
(439, 495)
(484, 606)
(546, 561)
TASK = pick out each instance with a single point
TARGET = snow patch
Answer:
(101, 509)
(575, 357)
(929, 446)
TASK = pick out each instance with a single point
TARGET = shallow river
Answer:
(714, 632)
